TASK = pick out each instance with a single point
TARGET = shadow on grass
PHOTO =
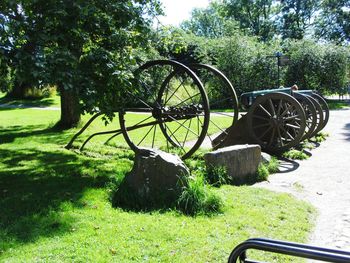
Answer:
(45, 102)
(33, 185)
(42, 133)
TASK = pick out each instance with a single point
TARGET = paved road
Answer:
(324, 181)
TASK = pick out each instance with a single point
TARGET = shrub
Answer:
(272, 166)
(262, 173)
(295, 155)
(198, 198)
(217, 176)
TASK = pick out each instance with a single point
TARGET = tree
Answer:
(86, 48)
(210, 22)
(256, 16)
(296, 17)
(333, 23)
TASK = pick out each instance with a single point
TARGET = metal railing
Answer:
(287, 248)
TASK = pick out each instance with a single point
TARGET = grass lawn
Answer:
(55, 205)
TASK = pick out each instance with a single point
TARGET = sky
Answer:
(178, 10)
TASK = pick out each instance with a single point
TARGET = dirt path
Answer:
(324, 181)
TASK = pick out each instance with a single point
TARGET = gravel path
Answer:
(324, 181)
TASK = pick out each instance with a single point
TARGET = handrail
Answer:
(288, 248)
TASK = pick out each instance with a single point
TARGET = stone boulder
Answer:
(265, 158)
(154, 181)
(240, 161)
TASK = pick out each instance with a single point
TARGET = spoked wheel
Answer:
(310, 114)
(222, 97)
(319, 115)
(324, 107)
(168, 109)
(276, 121)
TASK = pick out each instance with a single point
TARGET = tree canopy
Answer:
(86, 48)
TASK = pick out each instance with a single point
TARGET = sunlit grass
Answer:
(55, 204)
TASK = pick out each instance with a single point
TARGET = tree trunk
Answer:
(18, 91)
(70, 110)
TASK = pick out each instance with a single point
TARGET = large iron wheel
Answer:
(276, 121)
(223, 100)
(324, 107)
(319, 114)
(310, 114)
(169, 109)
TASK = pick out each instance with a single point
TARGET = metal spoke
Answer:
(279, 107)
(190, 98)
(218, 127)
(279, 135)
(265, 110)
(145, 135)
(154, 135)
(287, 110)
(272, 137)
(265, 132)
(292, 126)
(174, 91)
(272, 107)
(139, 100)
(183, 145)
(184, 126)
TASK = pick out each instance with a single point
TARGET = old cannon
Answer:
(277, 119)
(169, 107)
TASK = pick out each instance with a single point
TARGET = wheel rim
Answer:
(324, 107)
(310, 114)
(319, 116)
(276, 121)
(223, 101)
(165, 96)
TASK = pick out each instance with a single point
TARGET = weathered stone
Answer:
(153, 180)
(265, 158)
(240, 161)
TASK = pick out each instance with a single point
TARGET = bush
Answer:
(217, 176)
(262, 173)
(197, 198)
(295, 155)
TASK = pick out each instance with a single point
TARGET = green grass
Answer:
(337, 105)
(295, 154)
(55, 205)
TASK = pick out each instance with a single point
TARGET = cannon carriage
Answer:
(175, 107)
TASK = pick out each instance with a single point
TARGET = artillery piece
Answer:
(277, 119)
(174, 107)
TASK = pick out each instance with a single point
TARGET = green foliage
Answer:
(337, 105)
(198, 198)
(210, 22)
(273, 165)
(320, 137)
(248, 63)
(262, 173)
(217, 176)
(333, 23)
(253, 16)
(312, 64)
(296, 16)
(86, 47)
(295, 154)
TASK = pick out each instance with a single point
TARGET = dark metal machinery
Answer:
(239, 254)
(176, 106)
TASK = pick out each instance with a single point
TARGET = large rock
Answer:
(240, 161)
(265, 158)
(154, 181)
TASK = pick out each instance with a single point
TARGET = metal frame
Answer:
(287, 248)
